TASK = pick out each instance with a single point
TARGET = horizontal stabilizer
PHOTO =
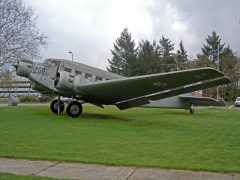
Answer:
(203, 101)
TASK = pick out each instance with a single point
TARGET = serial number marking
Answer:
(39, 70)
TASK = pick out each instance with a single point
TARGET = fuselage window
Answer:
(68, 69)
(98, 78)
(78, 73)
(50, 63)
(88, 76)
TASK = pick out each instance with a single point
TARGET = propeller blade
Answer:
(58, 66)
(16, 65)
(56, 77)
(29, 87)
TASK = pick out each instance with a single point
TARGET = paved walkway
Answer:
(60, 169)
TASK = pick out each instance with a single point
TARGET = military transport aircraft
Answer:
(185, 101)
(78, 83)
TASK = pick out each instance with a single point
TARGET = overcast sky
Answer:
(89, 28)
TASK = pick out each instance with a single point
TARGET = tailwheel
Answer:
(192, 110)
(74, 109)
(54, 106)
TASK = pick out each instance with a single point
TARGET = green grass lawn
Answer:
(208, 140)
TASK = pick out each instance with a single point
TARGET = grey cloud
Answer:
(88, 29)
(205, 16)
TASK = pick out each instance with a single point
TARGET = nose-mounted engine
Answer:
(24, 67)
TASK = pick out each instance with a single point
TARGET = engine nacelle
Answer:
(64, 81)
(24, 67)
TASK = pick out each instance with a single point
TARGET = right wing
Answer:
(169, 93)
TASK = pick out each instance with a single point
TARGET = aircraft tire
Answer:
(54, 106)
(74, 109)
(192, 110)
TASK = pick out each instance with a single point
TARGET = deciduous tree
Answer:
(19, 35)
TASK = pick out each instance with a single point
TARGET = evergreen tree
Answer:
(148, 58)
(123, 55)
(168, 58)
(227, 64)
(166, 46)
(181, 57)
(211, 48)
(201, 61)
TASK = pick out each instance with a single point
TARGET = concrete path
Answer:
(65, 170)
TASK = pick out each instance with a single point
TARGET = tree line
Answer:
(129, 59)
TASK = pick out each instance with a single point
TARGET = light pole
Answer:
(70, 52)
(218, 68)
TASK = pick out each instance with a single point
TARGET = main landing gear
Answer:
(74, 107)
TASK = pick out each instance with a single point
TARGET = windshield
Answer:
(238, 99)
(50, 63)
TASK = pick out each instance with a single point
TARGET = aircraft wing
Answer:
(135, 91)
(202, 101)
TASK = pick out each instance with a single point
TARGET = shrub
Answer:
(44, 99)
(28, 98)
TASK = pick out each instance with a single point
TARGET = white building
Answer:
(18, 86)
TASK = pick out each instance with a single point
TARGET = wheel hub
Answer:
(74, 109)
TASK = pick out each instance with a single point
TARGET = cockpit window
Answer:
(50, 63)
(27, 61)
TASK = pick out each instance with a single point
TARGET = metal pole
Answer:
(218, 68)
(71, 53)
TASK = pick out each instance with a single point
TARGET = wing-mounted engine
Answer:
(64, 81)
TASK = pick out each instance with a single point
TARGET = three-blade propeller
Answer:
(56, 81)
(16, 65)
(57, 74)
